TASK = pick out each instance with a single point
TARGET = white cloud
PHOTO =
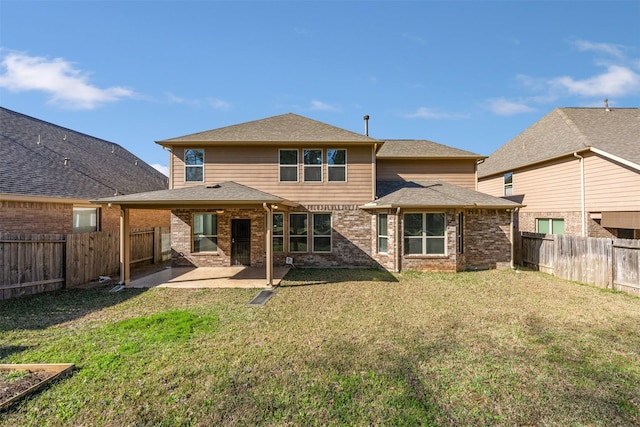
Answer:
(216, 103)
(322, 106)
(65, 84)
(161, 168)
(616, 81)
(606, 48)
(504, 107)
(428, 113)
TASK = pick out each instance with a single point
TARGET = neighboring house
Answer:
(48, 175)
(289, 188)
(577, 171)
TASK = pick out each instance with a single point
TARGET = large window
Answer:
(383, 237)
(549, 226)
(278, 232)
(321, 232)
(194, 165)
(86, 220)
(298, 232)
(288, 160)
(312, 165)
(205, 232)
(424, 233)
(508, 184)
(337, 165)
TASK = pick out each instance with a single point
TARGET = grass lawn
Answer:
(334, 347)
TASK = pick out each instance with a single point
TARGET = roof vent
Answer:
(213, 186)
(366, 124)
(606, 105)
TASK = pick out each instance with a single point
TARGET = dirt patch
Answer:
(13, 382)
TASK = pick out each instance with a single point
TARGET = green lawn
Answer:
(334, 347)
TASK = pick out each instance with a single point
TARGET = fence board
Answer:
(602, 262)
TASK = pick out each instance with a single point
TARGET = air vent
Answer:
(213, 186)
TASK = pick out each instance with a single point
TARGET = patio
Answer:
(210, 277)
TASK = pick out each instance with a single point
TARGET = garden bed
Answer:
(20, 380)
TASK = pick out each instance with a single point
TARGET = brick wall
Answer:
(57, 218)
(486, 238)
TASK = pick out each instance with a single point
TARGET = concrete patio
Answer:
(210, 277)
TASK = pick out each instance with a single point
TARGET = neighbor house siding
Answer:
(610, 186)
(258, 167)
(458, 172)
(493, 186)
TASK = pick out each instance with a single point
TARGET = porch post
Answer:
(125, 247)
(269, 245)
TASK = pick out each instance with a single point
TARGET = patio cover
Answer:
(218, 196)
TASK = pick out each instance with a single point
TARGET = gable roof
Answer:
(283, 128)
(433, 194)
(32, 162)
(615, 132)
(224, 193)
(421, 149)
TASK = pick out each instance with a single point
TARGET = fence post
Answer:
(157, 245)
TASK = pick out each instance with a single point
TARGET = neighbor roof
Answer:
(421, 149)
(433, 194)
(563, 131)
(32, 162)
(224, 193)
(283, 128)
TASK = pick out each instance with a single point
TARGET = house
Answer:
(292, 189)
(577, 170)
(49, 174)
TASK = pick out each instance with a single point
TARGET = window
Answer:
(424, 234)
(205, 233)
(86, 220)
(194, 165)
(321, 232)
(460, 233)
(337, 165)
(288, 165)
(298, 232)
(312, 165)
(508, 184)
(549, 226)
(383, 237)
(278, 232)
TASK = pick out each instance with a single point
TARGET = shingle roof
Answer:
(228, 192)
(32, 162)
(566, 130)
(283, 128)
(433, 194)
(417, 149)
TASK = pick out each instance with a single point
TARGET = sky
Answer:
(468, 74)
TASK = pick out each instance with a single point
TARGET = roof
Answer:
(421, 149)
(563, 131)
(433, 194)
(224, 193)
(283, 128)
(32, 162)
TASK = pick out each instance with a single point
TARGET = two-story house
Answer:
(577, 170)
(289, 188)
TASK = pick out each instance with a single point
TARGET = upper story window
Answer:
(424, 233)
(288, 160)
(86, 220)
(312, 165)
(337, 165)
(508, 184)
(194, 165)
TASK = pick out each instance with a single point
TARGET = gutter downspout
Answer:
(398, 241)
(269, 245)
(511, 236)
(582, 202)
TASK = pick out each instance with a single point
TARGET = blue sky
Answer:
(469, 74)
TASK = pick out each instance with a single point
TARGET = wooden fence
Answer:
(31, 264)
(608, 263)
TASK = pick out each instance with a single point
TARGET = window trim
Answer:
(314, 235)
(193, 233)
(296, 166)
(424, 238)
(187, 166)
(507, 184)
(382, 236)
(330, 166)
(314, 166)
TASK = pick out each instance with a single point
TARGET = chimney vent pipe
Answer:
(366, 125)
